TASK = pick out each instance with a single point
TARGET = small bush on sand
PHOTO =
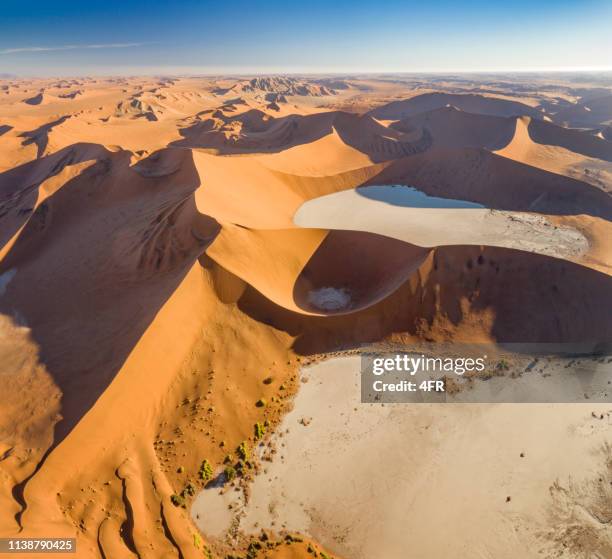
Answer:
(197, 541)
(190, 489)
(503, 365)
(178, 500)
(230, 473)
(206, 471)
(243, 451)
(260, 431)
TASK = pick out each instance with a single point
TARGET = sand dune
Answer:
(566, 152)
(468, 174)
(152, 276)
(589, 112)
(452, 127)
(471, 103)
(253, 131)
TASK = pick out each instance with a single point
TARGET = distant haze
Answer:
(111, 37)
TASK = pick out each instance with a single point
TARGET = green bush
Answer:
(178, 500)
(260, 431)
(243, 451)
(206, 471)
(197, 540)
(503, 365)
(230, 473)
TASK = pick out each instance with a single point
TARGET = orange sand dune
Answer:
(452, 127)
(566, 152)
(255, 130)
(152, 276)
(480, 104)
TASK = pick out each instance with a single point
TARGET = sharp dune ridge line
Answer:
(173, 250)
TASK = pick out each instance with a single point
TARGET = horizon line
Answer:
(242, 72)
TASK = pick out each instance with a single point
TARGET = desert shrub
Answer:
(253, 549)
(243, 451)
(190, 489)
(230, 473)
(290, 538)
(206, 471)
(260, 430)
(503, 365)
(178, 500)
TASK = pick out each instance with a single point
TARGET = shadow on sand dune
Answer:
(364, 266)
(93, 266)
(256, 132)
(519, 297)
(483, 177)
(19, 187)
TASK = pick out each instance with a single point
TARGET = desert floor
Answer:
(435, 479)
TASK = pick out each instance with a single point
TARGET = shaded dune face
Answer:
(108, 243)
(470, 103)
(578, 141)
(496, 182)
(254, 131)
(362, 268)
(470, 294)
(452, 127)
(315, 272)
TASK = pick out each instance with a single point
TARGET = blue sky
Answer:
(70, 37)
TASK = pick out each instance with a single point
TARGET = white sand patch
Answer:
(405, 214)
(330, 298)
(5, 279)
(425, 481)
